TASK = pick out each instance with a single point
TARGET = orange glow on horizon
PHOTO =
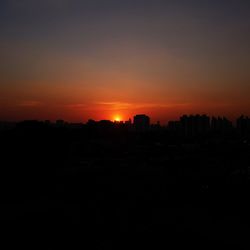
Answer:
(117, 118)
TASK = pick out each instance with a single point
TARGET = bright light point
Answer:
(117, 118)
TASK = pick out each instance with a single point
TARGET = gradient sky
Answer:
(81, 59)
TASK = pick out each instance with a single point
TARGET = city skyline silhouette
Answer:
(125, 124)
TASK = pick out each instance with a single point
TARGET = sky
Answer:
(98, 59)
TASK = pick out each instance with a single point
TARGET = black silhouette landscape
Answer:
(116, 184)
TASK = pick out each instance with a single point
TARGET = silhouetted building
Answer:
(221, 124)
(7, 125)
(129, 122)
(141, 122)
(243, 124)
(75, 125)
(30, 125)
(60, 123)
(174, 127)
(156, 126)
(128, 125)
(195, 124)
(91, 122)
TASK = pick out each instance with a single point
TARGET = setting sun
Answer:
(117, 118)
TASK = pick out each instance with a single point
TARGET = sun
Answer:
(117, 118)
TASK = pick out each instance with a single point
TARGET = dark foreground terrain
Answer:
(115, 189)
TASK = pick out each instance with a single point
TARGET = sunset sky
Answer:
(99, 59)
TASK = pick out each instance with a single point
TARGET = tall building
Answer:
(195, 124)
(221, 124)
(141, 122)
(243, 124)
